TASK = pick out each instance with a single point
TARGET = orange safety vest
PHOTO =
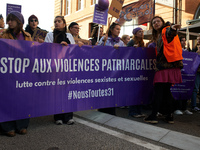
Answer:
(172, 50)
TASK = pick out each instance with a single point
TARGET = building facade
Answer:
(81, 11)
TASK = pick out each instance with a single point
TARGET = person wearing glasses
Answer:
(15, 21)
(74, 29)
(32, 26)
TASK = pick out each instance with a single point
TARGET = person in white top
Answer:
(57, 36)
(60, 35)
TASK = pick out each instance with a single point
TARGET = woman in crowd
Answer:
(181, 105)
(197, 80)
(15, 21)
(94, 35)
(136, 41)
(168, 67)
(60, 35)
(33, 26)
(125, 38)
(2, 24)
(112, 39)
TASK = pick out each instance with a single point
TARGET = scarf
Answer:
(59, 36)
(114, 40)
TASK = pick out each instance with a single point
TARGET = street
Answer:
(95, 130)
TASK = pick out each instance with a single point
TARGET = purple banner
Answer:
(44, 79)
(184, 90)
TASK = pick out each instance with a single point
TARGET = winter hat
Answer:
(136, 30)
(18, 15)
(72, 24)
(31, 17)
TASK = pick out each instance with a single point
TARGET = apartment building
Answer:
(81, 11)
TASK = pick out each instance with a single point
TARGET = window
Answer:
(94, 2)
(79, 5)
(67, 7)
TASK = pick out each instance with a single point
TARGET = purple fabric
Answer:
(20, 36)
(114, 40)
(48, 78)
(172, 75)
(136, 30)
(184, 90)
(152, 45)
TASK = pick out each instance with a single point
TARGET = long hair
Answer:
(19, 24)
(196, 44)
(155, 32)
(112, 27)
(95, 31)
(63, 19)
(56, 34)
(138, 41)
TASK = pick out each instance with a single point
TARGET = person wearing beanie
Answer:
(15, 21)
(137, 40)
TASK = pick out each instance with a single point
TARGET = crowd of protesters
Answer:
(167, 70)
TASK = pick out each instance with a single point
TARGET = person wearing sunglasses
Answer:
(32, 26)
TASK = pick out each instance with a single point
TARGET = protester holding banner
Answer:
(15, 21)
(94, 35)
(113, 38)
(74, 30)
(2, 24)
(125, 38)
(136, 41)
(181, 105)
(197, 80)
(168, 68)
(60, 35)
(32, 27)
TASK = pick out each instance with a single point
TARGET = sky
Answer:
(43, 9)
